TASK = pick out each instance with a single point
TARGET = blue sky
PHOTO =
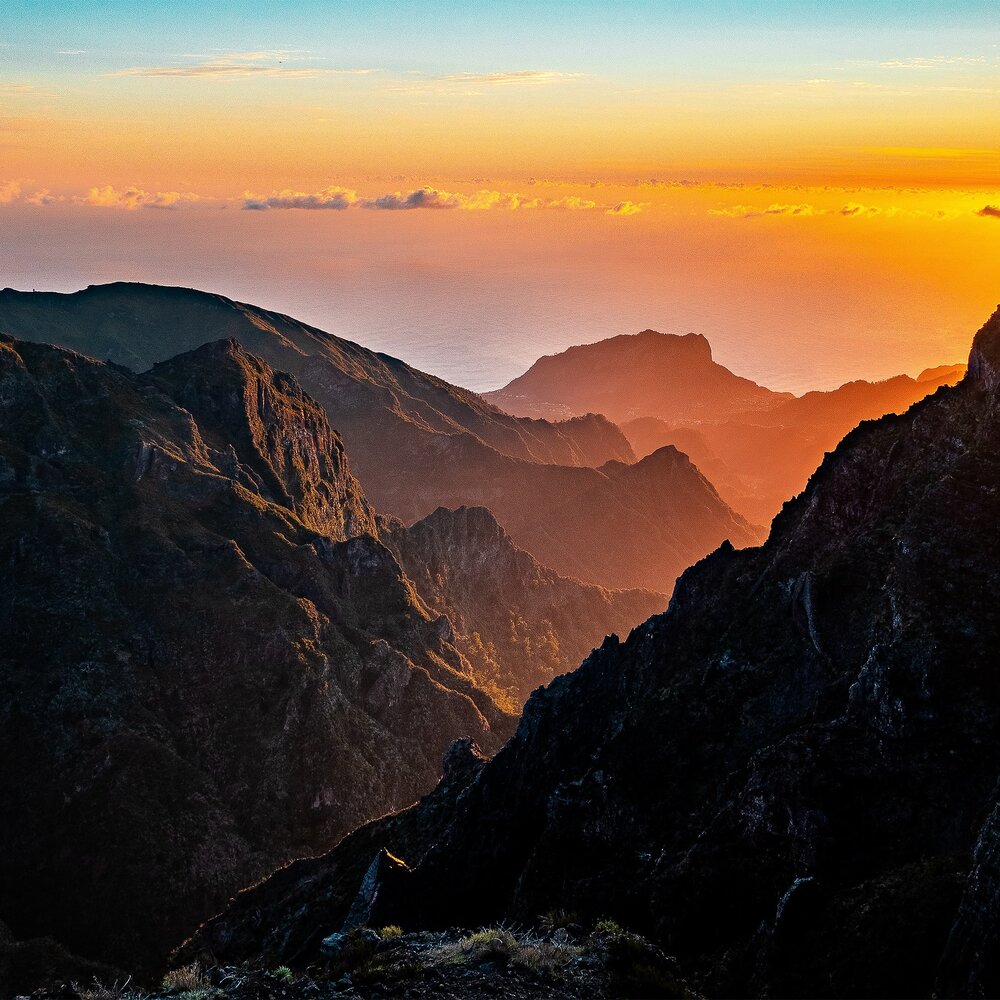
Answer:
(662, 40)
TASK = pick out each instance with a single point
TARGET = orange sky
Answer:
(827, 182)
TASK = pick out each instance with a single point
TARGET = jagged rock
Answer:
(518, 622)
(383, 876)
(205, 670)
(793, 789)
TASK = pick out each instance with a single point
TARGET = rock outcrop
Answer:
(209, 664)
(519, 623)
(756, 446)
(789, 778)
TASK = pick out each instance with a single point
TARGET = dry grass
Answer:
(503, 946)
(186, 979)
(98, 991)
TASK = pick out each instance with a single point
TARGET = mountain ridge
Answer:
(788, 778)
(206, 671)
(417, 443)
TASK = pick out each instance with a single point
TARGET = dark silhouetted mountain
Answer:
(759, 459)
(417, 443)
(790, 778)
(649, 374)
(208, 663)
(517, 621)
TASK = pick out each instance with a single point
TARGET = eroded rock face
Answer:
(519, 623)
(789, 778)
(208, 665)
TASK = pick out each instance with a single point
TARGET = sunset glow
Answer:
(801, 185)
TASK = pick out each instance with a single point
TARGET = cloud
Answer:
(43, 197)
(428, 197)
(425, 197)
(931, 62)
(23, 90)
(524, 77)
(572, 203)
(70, 52)
(626, 208)
(853, 210)
(477, 84)
(236, 65)
(9, 191)
(133, 198)
(989, 212)
(335, 198)
(746, 212)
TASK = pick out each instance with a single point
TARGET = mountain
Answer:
(417, 443)
(137, 325)
(757, 447)
(518, 622)
(790, 777)
(209, 665)
(760, 458)
(673, 378)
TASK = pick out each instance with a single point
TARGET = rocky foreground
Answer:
(558, 961)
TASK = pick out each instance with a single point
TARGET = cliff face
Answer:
(789, 777)
(209, 665)
(417, 443)
(517, 621)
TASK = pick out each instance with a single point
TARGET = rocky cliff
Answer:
(517, 622)
(208, 663)
(789, 778)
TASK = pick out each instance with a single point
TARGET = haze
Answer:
(469, 185)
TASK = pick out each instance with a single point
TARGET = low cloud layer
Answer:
(747, 212)
(133, 198)
(989, 212)
(850, 210)
(428, 197)
(335, 198)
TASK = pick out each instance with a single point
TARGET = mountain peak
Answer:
(984, 359)
(696, 343)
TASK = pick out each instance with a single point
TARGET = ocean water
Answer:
(478, 306)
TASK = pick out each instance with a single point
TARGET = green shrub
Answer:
(608, 926)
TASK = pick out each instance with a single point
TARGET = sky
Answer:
(815, 187)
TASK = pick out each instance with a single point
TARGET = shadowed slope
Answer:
(516, 620)
(207, 666)
(790, 777)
